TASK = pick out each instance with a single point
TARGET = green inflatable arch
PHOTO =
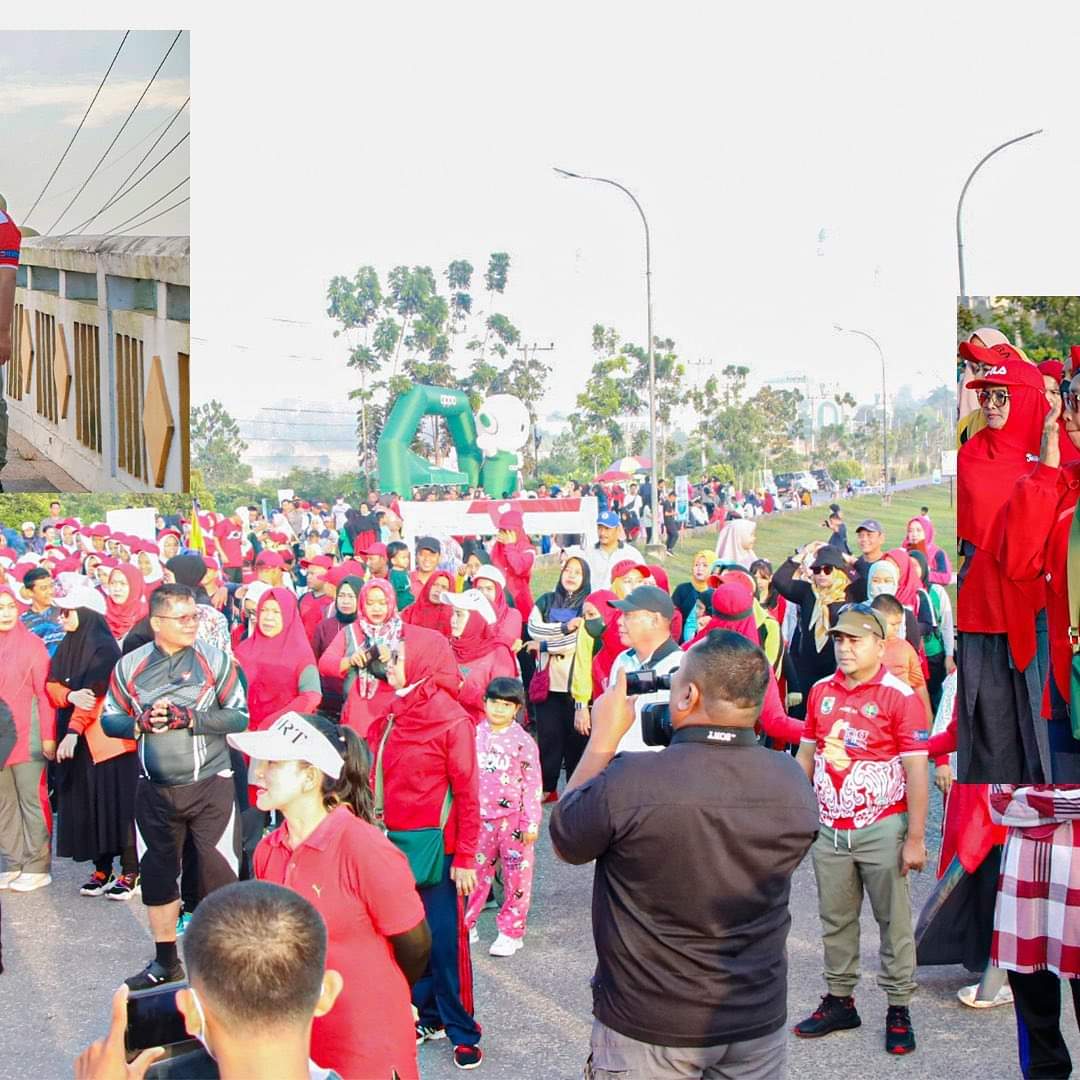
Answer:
(399, 468)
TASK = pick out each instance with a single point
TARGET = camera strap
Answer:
(715, 736)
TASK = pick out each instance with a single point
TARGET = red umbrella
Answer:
(612, 475)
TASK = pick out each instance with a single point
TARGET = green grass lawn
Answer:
(779, 535)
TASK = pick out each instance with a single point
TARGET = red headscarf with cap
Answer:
(991, 461)
(512, 560)
(273, 665)
(733, 609)
(476, 639)
(660, 580)
(122, 617)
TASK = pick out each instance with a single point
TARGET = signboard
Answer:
(138, 522)
(478, 517)
(948, 462)
(682, 497)
(283, 494)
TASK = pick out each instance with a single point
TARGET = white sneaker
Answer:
(29, 882)
(7, 877)
(967, 994)
(474, 936)
(505, 946)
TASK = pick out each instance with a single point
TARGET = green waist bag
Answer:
(422, 847)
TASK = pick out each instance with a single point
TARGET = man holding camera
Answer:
(179, 698)
(645, 626)
(864, 750)
(695, 848)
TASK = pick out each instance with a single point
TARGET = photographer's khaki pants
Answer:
(847, 862)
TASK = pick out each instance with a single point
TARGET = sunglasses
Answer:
(826, 569)
(996, 397)
(978, 369)
(1069, 398)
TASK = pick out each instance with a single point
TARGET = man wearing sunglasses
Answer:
(178, 698)
(864, 750)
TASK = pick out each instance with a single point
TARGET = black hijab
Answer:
(566, 606)
(86, 658)
(190, 570)
(356, 584)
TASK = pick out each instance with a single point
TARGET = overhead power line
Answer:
(154, 217)
(78, 129)
(127, 191)
(127, 120)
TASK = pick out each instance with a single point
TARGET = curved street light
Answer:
(884, 400)
(960, 203)
(652, 361)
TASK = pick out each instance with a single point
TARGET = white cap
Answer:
(82, 596)
(255, 589)
(290, 738)
(471, 600)
(491, 573)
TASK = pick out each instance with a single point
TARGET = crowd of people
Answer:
(306, 699)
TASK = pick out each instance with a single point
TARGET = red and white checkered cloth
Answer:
(1037, 915)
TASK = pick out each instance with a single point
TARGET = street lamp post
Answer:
(960, 204)
(652, 360)
(884, 401)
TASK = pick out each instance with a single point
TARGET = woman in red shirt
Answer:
(480, 655)
(315, 774)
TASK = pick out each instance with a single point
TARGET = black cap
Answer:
(647, 598)
(829, 556)
(428, 543)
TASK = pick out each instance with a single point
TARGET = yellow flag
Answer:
(196, 541)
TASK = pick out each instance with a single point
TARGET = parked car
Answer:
(807, 481)
(785, 482)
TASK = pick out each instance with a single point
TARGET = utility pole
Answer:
(525, 350)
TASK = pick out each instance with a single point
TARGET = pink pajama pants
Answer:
(497, 841)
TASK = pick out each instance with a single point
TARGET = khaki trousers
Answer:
(24, 831)
(848, 863)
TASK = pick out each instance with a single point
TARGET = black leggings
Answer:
(1037, 1000)
(559, 742)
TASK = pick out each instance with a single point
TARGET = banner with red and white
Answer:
(479, 517)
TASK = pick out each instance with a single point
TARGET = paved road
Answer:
(64, 955)
(27, 470)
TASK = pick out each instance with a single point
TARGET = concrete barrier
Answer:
(99, 377)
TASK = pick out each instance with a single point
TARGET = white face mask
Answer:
(202, 1021)
(881, 584)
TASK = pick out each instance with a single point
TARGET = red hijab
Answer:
(611, 642)
(660, 579)
(423, 611)
(991, 462)
(907, 589)
(477, 639)
(1069, 453)
(122, 617)
(273, 665)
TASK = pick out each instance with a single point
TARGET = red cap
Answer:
(9, 553)
(624, 566)
(319, 560)
(277, 538)
(100, 530)
(374, 549)
(1007, 367)
(269, 560)
(169, 532)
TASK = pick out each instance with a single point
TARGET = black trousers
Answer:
(559, 743)
(936, 664)
(1037, 1000)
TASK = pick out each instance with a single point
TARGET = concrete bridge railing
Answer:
(99, 379)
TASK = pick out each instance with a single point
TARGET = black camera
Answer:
(647, 682)
(656, 729)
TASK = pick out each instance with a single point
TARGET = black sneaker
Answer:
(98, 883)
(833, 1014)
(155, 974)
(899, 1034)
(427, 1034)
(468, 1057)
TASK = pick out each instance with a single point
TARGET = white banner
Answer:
(948, 462)
(138, 522)
(478, 517)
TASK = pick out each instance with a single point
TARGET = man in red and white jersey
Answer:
(864, 748)
(10, 244)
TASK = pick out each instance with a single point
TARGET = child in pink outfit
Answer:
(510, 814)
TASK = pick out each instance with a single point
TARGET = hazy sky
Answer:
(47, 80)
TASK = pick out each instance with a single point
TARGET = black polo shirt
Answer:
(695, 847)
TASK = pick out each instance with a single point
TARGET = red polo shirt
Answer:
(860, 736)
(363, 888)
(231, 538)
